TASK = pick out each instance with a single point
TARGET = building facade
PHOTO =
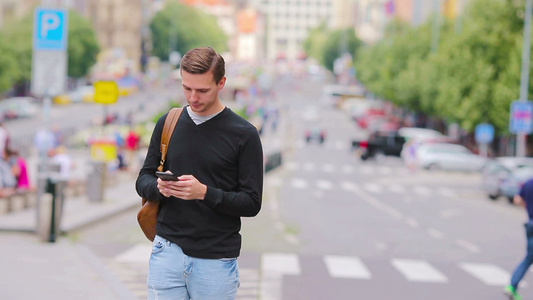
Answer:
(15, 9)
(288, 23)
(372, 16)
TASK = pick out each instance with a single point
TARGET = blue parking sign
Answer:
(521, 120)
(50, 29)
(484, 133)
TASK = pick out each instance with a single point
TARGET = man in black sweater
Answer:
(218, 158)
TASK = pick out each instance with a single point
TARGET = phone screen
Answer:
(166, 176)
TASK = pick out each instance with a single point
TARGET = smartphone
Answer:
(166, 176)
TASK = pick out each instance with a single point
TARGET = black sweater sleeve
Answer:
(246, 200)
(146, 184)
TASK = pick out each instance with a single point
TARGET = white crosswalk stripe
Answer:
(422, 190)
(373, 187)
(348, 186)
(324, 184)
(283, 263)
(347, 169)
(329, 168)
(346, 267)
(396, 188)
(417, 270)
(489, 274)
(299, 183)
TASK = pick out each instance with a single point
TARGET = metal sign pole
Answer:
(521, 149)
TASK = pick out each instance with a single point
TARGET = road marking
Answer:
(348, 186)
(468, 246)
(346, 267)
(385, 170)
(324, 184)
(379, 205)
(448, 213)
(329, 168)
(249, 285)
(422, 190)
(299, 183)
(412, 222)
(396, 188)
(381, 246)
(292, 166)
(309, 166)
(488, 274)
(282, 263)
(340, 145)
(373, 187)
(273, 267)
(435, 233)
(418, 270)
(347, 169)
(366, 170)
(447, 192)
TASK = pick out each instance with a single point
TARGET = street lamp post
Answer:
(435, 36)
(521, 146)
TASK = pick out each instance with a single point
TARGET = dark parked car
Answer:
(379, 144)
(315, 134)
(503, 176)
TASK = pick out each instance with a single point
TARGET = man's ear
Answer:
(222, 83)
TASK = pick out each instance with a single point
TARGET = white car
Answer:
(414, 137)
(18, 107)
(82, 94)
(419, 133)
(448, 156)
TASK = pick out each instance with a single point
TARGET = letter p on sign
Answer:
(50, 22)
(51, 29)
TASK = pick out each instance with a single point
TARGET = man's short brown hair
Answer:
(202, 60)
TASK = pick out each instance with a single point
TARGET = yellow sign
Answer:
(105, 92)
(103, 150)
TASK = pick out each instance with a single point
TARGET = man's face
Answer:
(201, 92)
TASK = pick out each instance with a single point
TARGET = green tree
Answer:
(314, 45)
(188, 26)
(8, 66)
(472, 78)
(338, 42)
(82, 48)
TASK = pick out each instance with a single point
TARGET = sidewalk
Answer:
(64, 269)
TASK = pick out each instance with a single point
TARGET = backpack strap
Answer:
(170, 123)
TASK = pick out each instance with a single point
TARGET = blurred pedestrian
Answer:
(132, 145)
(121, 151)
(217, 156)
(61, 157)
(4, 137)
(8, 181)
(524, 199)
(19, 168)
(44, 141)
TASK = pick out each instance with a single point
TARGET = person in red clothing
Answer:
(132, 145)
(19, 167)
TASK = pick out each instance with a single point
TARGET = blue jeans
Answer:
(528, 260)
(176, 276)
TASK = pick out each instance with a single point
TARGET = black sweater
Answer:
(226, 155)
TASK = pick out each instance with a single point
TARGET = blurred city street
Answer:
(332, 225)
(396, 136)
